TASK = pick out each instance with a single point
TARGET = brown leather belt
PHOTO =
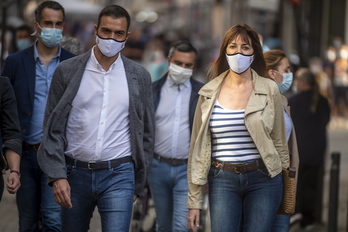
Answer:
(96, 165)
(174, 162)
(31, 146)
(238, 167)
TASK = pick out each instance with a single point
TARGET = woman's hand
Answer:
(193, 219)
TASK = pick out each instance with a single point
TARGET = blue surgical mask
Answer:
(51, 36)
(286, 83)
(23, 44)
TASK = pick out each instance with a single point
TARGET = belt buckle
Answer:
(89, 164)
(237, 169)
(240, 168)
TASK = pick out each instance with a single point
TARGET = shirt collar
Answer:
(97, 65)
(172, 83)
(36, 53)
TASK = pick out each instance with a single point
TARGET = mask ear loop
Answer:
(35, 32)
(274, 78)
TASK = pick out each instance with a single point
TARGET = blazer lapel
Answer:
(133, 85)
(29, 66)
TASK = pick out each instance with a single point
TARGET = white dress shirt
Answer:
(98, 124)
(172, 133)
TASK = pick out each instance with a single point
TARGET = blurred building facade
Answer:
(304, 28)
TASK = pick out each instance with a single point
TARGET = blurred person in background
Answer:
(154, 58)
(340, 83)
(135, 46)
(278, 69)
(329, 62)
(72, 45)
(175, 97)
(23, 37)
(158, 64)
(315, 65)
(10, 138)
(310, 112)
(265, 48)
(99, 129)
(238, 142)
(30, 72)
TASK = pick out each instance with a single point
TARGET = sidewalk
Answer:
(9, 215)
(338, 142)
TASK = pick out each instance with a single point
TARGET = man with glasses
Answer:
(30, 72)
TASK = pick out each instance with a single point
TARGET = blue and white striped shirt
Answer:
(230, 138)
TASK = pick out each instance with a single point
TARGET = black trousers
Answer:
(1, 186)
(310, 194)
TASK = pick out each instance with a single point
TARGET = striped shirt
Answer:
(230, 138)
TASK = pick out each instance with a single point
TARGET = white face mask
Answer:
(239, 62)
(109, 47)
(179, 74)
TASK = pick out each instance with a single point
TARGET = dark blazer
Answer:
(9, 123)
(196, 86)
(65, 84)
(20, 69)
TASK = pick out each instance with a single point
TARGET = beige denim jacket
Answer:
(264, 120)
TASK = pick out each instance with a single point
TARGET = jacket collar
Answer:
(213, 86)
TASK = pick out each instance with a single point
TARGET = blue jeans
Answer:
(111, 190)
(243, 202)
(169, 189)
(35, 200)
(281, 223)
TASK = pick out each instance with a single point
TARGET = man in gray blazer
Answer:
(98, 134)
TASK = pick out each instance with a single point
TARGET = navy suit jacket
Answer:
(20, 69)
(195, 85)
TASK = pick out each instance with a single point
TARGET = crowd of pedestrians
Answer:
(94, 129)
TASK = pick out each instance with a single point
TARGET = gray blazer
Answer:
(65, 84)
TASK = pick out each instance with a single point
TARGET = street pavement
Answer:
(338, 142)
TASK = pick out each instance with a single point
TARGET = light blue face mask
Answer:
(286, 83)
(51, 36)
(23, 44)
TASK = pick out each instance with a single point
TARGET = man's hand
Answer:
(193, 219)
(13, 183)
(61, 192)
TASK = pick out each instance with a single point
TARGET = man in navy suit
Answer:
(30, 72)
(175, 97)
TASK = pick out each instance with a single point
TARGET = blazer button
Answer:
(29, 114)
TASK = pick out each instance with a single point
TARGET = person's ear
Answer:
(271, 73)
(95, 30)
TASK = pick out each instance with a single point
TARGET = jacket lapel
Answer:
(258, 98)
(28, 62)
(133, 85)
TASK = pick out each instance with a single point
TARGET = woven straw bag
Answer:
(287, 207)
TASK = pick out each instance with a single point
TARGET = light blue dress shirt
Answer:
(43, 80)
